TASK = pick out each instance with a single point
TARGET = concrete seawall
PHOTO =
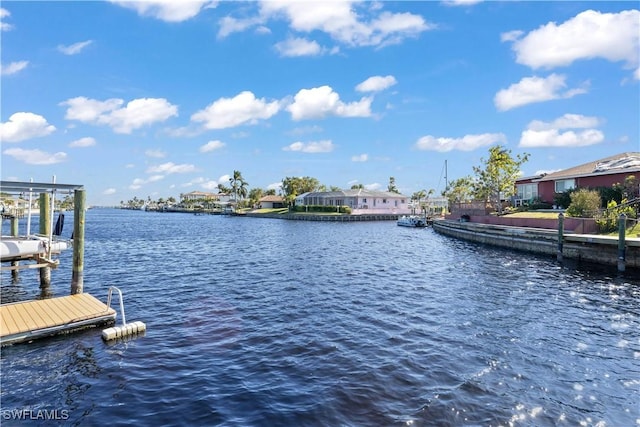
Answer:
(334, 218)
(586, 247)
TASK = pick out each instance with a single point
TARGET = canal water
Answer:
(262, 322)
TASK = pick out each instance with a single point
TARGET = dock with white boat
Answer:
(28, 320)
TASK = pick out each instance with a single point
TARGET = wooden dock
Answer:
(25, 321)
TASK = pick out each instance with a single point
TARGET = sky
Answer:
(160, 98)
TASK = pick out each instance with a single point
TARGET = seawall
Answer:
(335, 218)
(587, 247)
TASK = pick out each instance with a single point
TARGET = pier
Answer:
(28, 320)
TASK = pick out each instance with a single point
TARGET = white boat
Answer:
(22, 247)
(412, 221)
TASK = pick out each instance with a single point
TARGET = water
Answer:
(255, 322)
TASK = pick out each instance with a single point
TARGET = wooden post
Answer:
(560, 235)
(79, 211)
(45, 228)
(622, 228)
(14, 233)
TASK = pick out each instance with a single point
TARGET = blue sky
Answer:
(159, 98)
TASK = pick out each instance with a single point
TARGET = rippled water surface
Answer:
(256, 322)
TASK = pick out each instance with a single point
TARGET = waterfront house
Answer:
(271, 202)
(599, 173)
(361, 201)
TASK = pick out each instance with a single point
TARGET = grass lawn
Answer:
(533, 214)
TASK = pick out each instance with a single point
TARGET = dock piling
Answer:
(560, 236)
(622, 226)
(14, 233)
(45, 229)
(79, 212)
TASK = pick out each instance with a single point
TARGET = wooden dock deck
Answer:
(24, 321)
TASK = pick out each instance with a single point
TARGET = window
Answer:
(527, 191)
(563, 185)
(364, 200)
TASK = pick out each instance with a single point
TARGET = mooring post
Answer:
(14, 233)
(79, 211)
(45, 229)
(560, 235)
(622, 228)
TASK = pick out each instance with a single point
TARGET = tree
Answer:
(294, 186)
(254, 195)
(335, 188)
(357, 186)
(460, 190)
(223, 189)
(238, 186)
(496, 177)
(391, 188)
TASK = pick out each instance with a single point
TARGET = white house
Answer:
(271, 202)
(360, 201)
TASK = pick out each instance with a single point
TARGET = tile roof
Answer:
(271, 198)
(619, 163)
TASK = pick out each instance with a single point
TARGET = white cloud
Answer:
(136, 114)
(360, 158)
(109, 191)
(461, 2)
(35, 157)
(373, 186)
(534, 89)
(211, 146)
(139, 182)
(83, 142)
(23, 126)
(567, 121)
(550, 134)
(158, 154)
(75, 48)
(319, 102)
(346, 25)
(167, 10)
(275, 186)
(4, 13)
(590, 34)
(13, 67)
(466, 143)
(376, 84)
(297, 46)
(230, 25)
(325, 146)
(171, 167)
(244, 108)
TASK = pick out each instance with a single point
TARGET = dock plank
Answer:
(39, 316)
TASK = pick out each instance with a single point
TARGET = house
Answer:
(361, 201)
(197, 195)
(271, 202)
(600, 173)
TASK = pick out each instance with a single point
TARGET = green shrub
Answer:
(608, 221)
(563, 200)
(584, 203)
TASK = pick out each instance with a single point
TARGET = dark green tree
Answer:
(391, 188)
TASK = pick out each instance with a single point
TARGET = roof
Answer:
(358, 192)
(620, 163)
(36, 187)
(271, 198)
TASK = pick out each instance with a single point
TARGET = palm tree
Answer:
(238, 186)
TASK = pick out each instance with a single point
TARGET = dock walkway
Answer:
(24, 321)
